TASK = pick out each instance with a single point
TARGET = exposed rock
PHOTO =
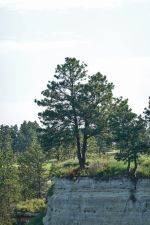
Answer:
(96, 202)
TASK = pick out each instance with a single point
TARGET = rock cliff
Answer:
(95, 202)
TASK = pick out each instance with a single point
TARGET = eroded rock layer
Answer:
(96, 202)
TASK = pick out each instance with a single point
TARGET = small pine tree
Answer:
(26, 135)
(129, 132)
(32, 172)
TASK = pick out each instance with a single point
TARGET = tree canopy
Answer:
(129, 132)
(75, 105)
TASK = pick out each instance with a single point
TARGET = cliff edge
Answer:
(88, 201)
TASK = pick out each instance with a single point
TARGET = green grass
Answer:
(144, 167)
(32, 205)
(103, 167)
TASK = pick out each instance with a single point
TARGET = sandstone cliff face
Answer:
(94, 202)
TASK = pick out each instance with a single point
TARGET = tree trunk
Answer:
(78, 143)
(84, 149)
(128, 167)
(135, 165)
(57, 154)
(84, 146)
(79, 156)
(82, 163)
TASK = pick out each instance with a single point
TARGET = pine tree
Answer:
(129, 131)
(26, 135)
(9, 183)
(74, 110)
(32, 173)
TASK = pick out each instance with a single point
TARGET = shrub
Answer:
(33, 205)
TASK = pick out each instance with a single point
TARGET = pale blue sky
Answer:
(111, 36)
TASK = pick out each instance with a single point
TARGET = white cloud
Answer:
(63, 4)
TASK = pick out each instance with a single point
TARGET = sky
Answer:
(110, 36)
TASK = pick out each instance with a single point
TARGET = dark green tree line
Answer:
(9, 180)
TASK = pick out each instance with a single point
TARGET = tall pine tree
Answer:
(76, 106)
